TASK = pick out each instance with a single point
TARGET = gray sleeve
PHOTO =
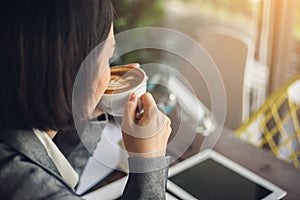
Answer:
(147, 178)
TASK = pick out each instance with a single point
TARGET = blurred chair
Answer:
(231, 51)
(275, 125)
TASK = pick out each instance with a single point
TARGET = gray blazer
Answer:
(27, 172)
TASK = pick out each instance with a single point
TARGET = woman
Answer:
(43, 44)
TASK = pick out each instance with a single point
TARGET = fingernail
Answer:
(132, 97)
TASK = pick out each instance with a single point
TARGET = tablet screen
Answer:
(209, 180)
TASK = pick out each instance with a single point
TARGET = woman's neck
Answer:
(51, 133)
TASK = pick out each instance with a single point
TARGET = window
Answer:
(194, 15)
(188, 16)
(295, 57)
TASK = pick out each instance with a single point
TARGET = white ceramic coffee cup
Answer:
(113, 102)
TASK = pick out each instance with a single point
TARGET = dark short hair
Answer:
(43, 44)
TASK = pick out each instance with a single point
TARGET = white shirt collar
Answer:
(63, 166)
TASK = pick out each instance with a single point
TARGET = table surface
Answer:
(259, 161)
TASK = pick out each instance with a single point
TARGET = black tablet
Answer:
(211, 176)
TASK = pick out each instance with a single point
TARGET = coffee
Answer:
(123, 79)
(123, 82)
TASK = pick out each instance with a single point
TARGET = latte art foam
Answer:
(123, 79)
(118, 83)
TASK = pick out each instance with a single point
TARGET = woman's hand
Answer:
(135, 65)
(147, 136)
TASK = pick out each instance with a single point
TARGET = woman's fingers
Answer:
(131, 106)
(136, 65)
(147, 138)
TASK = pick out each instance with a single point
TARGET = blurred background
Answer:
(273, 26)
(270, 27)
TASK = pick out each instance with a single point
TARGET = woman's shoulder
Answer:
(26, 170)
(20, 178)
(22, 141)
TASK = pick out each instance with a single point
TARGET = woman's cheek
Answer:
(102, 84)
